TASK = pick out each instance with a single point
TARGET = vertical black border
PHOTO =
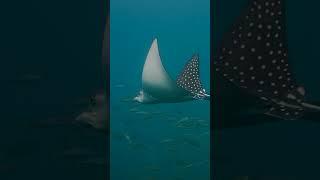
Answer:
(211, 92)
(106, 74)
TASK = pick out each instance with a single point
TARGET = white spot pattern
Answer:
(189, 79)
(259, 60)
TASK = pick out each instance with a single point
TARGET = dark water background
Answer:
(50, 64)
(282, 148)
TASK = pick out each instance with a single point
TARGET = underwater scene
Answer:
(266, 104)
(159, 109)
(50, 67)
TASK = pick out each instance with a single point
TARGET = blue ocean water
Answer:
(159, 141)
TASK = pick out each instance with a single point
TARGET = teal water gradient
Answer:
(146, 140)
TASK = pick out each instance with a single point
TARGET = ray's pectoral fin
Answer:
(154, 76)
(189, 79)
(255, 58)
(157, 85)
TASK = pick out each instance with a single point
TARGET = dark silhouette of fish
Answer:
(254, 57)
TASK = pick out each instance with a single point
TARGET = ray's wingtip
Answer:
(155, 40)
(195, 56)
(154, 43)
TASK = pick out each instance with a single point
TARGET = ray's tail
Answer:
(311, 107)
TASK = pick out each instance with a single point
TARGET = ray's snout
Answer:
(139, 97)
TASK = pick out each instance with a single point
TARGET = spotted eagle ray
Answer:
(254, 57)
(158, 87)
